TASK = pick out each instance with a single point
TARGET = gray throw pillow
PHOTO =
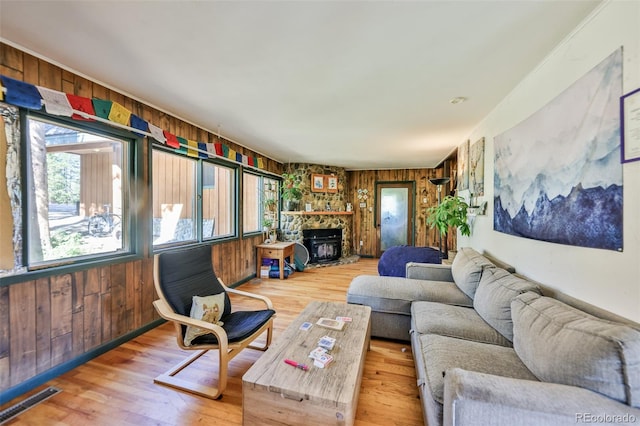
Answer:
(561, 344)
(493, 298)
(467, 269)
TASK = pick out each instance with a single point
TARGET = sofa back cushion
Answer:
(493, 298)
(467, 269)
(564, 345)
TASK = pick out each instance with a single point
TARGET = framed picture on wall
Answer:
(630, 126)
(332, 183)
(317, 183)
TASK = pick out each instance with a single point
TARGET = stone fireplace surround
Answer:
(292, 223)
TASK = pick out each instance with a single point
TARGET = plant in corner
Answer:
(451, 212)
(291, 191)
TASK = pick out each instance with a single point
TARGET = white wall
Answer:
(608, 279)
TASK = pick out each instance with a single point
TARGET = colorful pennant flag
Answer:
(251, 161)
(119, 114)
(171, 139)
(55, 102)
(231, 154)
(219, 149)
(225, 151)
(203, 150)
(192, 148)
(102, 108)
(158, 133)
(211, 150)
(260, 163)
(140, 124)
(21, 94)
(81, 104)
(182, 145)
(238, 157)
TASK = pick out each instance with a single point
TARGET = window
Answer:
(260, 203)
(77, 192)
(251, 210)
(218, 202)
(193, 200)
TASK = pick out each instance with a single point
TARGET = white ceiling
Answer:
(355, 84)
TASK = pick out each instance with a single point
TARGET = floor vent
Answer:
(21, 407)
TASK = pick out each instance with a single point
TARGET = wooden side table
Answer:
(279, 250)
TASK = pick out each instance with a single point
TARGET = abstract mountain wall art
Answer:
(557, 174)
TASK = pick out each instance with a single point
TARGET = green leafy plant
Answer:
(270, 204)
(267, 223)
(451, 212)
(291, 186)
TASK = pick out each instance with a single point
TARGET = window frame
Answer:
(132, 153)
(199, 239)
(261, 213)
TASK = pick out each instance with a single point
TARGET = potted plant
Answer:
(270, 204)
(291, 191)
(451, 212)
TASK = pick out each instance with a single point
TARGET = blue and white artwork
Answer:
(558, 175)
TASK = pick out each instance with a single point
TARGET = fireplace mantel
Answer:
(327, 212)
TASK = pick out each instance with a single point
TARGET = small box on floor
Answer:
(264, 271)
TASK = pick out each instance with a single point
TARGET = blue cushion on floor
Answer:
(393, 260)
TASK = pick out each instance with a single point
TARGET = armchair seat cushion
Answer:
(238, 325)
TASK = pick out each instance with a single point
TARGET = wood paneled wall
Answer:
(364, 228)
(50, 320)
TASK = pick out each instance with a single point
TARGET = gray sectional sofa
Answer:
(492, 348)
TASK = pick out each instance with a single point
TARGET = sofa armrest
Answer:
(472, 398)
(428, 271)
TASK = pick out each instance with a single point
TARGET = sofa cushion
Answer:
(493, 298)
(453, 321)
(467, 269)
(395, 294)
(441, 353)
(564, 345)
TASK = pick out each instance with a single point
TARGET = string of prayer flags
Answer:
(29, 96)
(81, 104)
(21, 94)
(171, 139)
(158, 133)
(119, 114)
(55, 102)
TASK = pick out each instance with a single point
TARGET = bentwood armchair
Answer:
(206, 322)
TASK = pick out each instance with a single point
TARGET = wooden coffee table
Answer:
(275, 393)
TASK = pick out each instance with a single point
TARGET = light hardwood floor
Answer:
(117, 388)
